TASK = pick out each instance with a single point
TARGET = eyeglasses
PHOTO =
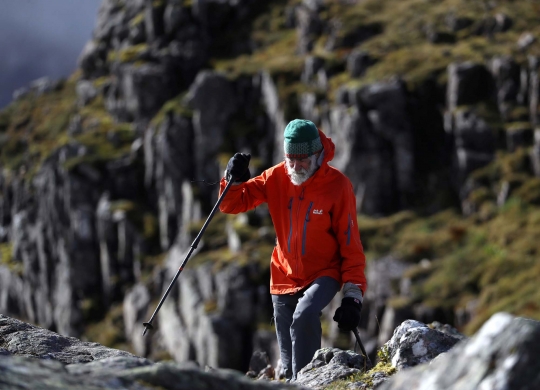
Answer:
(302, 161)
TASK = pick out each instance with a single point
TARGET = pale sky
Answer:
(41, 38)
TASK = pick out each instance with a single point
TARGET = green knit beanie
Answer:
(301, 139)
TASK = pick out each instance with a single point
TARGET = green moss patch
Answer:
(7, 260)
(34, 126)
(109, 331)
(383, 366)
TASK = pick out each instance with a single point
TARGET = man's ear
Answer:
(320, 158)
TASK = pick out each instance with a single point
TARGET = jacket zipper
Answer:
(306, 220)
(290, 224)
(348, 231)
(300, 199)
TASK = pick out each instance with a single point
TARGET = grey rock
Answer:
(259, 361)
(501, 355)
(308, 27)
(43, 85)
(213, 99)
(174, 17)
(11, 292)
(535, 154)
(457, 23)
(474, 142)
(517, 137)
(414, 343)
(29, 373)
(472, 132)
(169, 161)
(86, 92)
(109, 16)
(448, 330)
(169, 375)
(37, 87)
(135, 309)
(121, 373)
(358, 62)
(534, 89)
(468, 83)
(314, 5)
(374, 145)
(434, 36)
(213, 310)
(329, 365)
(138, 92)
(309, 107)
(107, 366)
(153, 18)
(274, 111)
(21, 338)
(312, 65)
(525, 40)
(20, 93)
(374, 380)
(93, 59)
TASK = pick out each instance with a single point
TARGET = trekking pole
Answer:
(367, 359)
(148, 325)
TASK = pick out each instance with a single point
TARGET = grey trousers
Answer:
(298, 323)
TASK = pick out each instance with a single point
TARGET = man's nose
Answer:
(296, 165)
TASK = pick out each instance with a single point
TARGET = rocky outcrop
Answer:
(414, 343)
(500, 355)
(329, 365)
(35, 358)
(22, 339)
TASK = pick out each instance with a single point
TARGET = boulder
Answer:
(329, 365)
(23, 339)
(501, 355)
(36, 358)
(414, 343)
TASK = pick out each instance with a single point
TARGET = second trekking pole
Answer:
(148, 325)
(367, 361)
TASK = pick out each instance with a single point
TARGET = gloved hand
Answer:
(237, 167)
(348, 314)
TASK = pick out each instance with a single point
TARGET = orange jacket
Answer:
(315, 224)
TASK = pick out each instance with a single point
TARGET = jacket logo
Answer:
(319, 212)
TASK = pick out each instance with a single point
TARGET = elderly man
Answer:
(318, 248)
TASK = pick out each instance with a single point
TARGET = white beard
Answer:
(299, 177)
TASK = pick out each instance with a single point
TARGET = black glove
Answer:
(237, 167)
(348, 314)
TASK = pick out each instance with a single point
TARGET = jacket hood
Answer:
(329, 148)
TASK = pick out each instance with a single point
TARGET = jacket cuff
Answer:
(351, 290)
(235, 183)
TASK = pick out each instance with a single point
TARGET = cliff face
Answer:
(97, 203)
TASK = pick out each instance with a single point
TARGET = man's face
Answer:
(299, 170)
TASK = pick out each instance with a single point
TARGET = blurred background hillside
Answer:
(106, 173)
